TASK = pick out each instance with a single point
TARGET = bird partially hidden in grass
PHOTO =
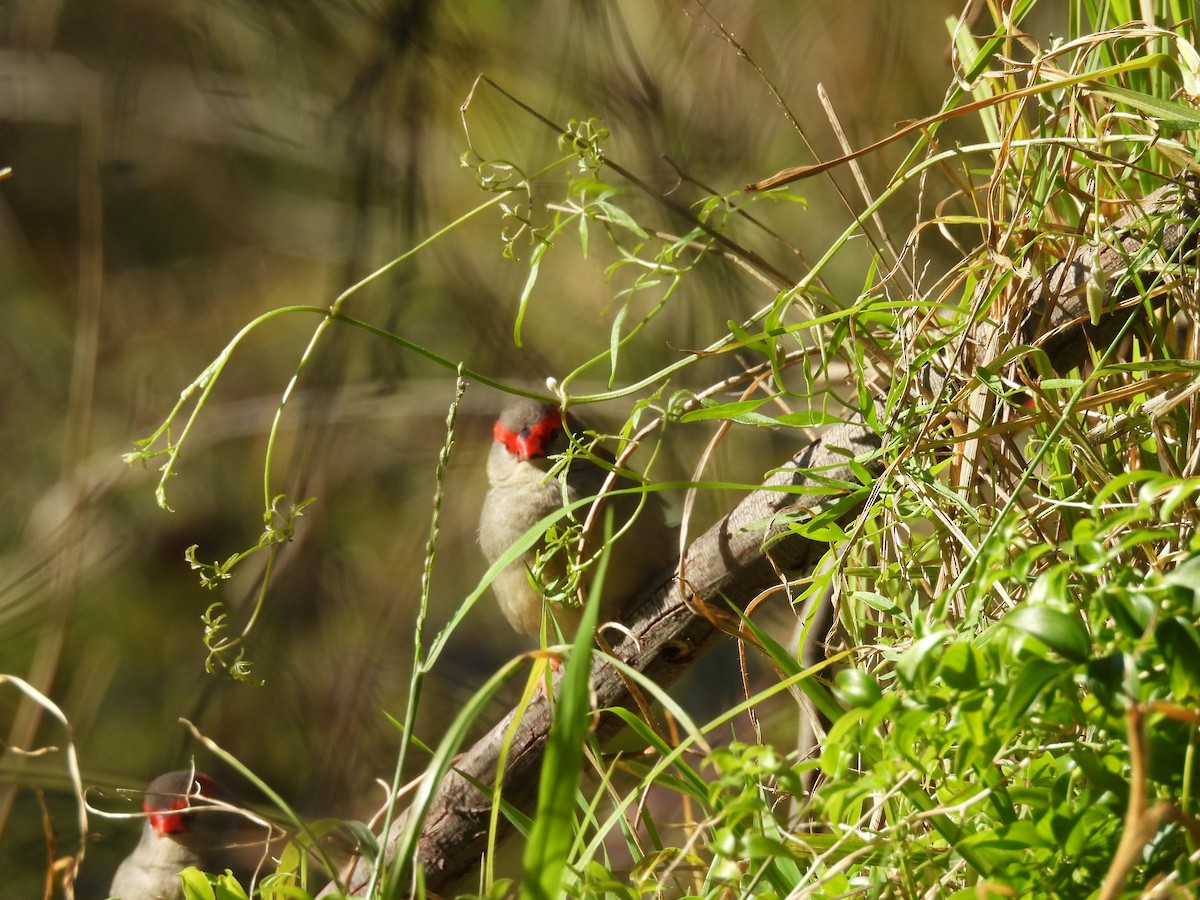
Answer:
(524, 490)
(184, 828)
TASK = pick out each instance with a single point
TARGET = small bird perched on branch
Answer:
(179, 832)
(523, 492)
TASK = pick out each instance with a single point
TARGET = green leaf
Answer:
(199, 886)
(1035, 674)
(740, 411)
(535, 265)
(924, 651)
(1005, 846)
(991, 381)
(1170, 115)
(823, 532)
(856, 689)
(878, 602)
(1105, 678)
(1050, 587)
(196, 885)
(1180, 646)
(1063, 633)
(1131, 611)
(619, 217)
(814, 688)
(1186, 575)
(961, 666)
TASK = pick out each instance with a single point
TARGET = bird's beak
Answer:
(525, 446)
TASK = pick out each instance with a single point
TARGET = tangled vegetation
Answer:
(1008, 702)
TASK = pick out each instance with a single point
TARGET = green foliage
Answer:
(281, 885)
(1016, 572)
(199, 886)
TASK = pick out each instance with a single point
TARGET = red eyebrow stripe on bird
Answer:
(505, 437)
(530, 442)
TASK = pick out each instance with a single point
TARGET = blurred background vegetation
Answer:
(179, 168)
